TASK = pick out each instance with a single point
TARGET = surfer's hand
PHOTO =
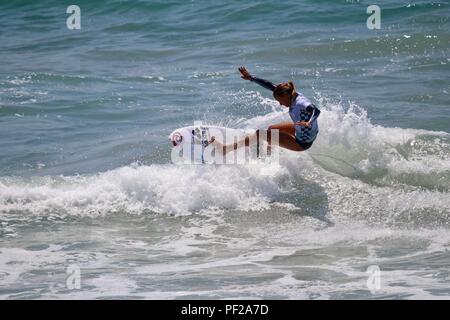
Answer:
(303, 124)
(244, 73)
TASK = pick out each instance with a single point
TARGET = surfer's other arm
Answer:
(263, 83)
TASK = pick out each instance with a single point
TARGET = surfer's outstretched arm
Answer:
(263, 83)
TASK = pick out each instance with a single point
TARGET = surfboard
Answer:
(192, 144)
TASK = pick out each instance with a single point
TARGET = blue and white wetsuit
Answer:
(301, 109)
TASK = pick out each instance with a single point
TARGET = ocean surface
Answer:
(91, 205)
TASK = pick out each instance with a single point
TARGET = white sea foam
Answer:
(351, 157)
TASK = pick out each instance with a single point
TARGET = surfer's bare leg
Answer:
(285, 139)
(225, 148)
(287, 127)
(286, 135)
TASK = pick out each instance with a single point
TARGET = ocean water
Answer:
(87, 184)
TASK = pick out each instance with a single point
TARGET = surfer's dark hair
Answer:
(283, 88)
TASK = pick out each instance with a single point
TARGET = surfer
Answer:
(296, 135)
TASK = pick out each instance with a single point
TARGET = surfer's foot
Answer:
(218, 146)
(222, 148)
(210, 141)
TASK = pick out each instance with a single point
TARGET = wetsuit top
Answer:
(301, 109)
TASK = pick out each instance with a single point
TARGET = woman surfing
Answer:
(297, 135)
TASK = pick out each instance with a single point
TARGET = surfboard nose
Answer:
(176, 138)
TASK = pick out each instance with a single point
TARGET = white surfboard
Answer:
(193, 144)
